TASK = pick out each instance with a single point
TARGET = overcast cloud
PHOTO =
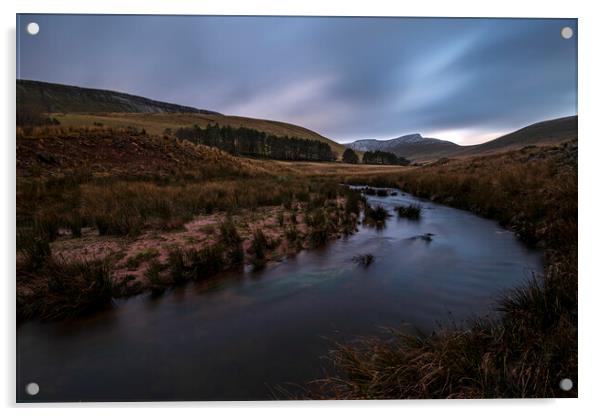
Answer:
(465, 80)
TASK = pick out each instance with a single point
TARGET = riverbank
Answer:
(118, 238)
(532, 191)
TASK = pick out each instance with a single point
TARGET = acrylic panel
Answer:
(275, 208)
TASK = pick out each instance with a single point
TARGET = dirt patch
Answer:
(130, 258)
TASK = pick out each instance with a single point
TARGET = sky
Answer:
(464, 80)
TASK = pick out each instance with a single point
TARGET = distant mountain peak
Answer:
(394, 145)
(409, 138)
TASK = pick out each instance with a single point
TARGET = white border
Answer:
(590, 289)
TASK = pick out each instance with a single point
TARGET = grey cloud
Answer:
(347, 78)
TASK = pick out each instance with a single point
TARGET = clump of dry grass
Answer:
(59, 289)
(364, 259)
(375, 216)
(412, 211)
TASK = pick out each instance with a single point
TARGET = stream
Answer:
(240, 336)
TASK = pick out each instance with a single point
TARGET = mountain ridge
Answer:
(50, 97)
(418, 148)
(410, 146)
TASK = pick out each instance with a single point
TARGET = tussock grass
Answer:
(120, 207)
(231, 242)
(58, 289)
(382, 192)
(412, 211)
(370, 191)
(375, 216)
(134, 262)
(154, 274)
(364, 259)
(259, 246)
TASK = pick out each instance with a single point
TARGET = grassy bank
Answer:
(533, 345)
(132, 236)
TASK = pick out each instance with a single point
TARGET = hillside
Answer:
(420, 149)
(127, 154)
(84, 107)
(547, 132)
(46, 97)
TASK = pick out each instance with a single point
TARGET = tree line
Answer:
(376, 157)
(250, 142)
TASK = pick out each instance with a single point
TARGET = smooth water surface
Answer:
(246, 333)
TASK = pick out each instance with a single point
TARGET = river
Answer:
(240, 336)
